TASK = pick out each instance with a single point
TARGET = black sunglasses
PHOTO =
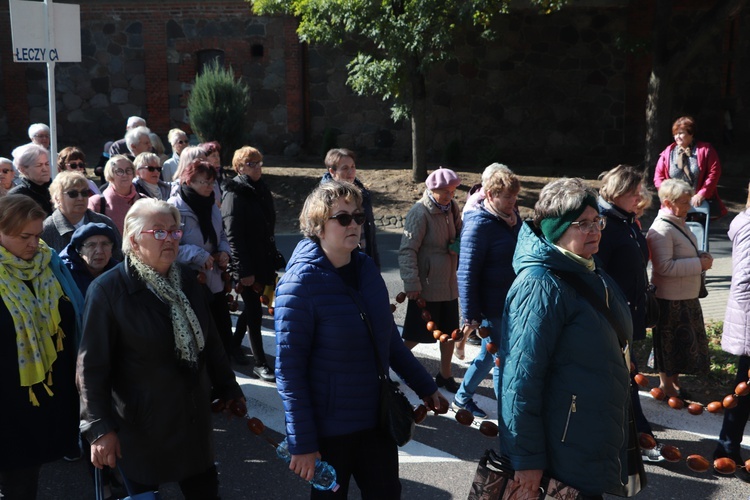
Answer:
(76, 165)
(346, 219)
(151, 169)
(86, 193)
(6, 170)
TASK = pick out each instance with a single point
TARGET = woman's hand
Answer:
(222, 259)
(248, 280)
(304, 465)
(707, 261)
(436, 402)
(106, 451)
(529, 480)
(412, 295)
(696, 200)
(209, 264)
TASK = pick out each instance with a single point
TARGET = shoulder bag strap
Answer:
(586, 292)
(366, 319)
(684, 234)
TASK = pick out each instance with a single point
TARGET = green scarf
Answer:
(188, 335)
(35, 313)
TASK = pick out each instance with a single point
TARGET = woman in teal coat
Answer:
(564, 378)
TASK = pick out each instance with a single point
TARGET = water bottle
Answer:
(325, 475)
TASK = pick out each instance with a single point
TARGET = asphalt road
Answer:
(440, 463)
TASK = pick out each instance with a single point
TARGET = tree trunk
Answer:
(418, 119)
(659, 100)
(669, 63)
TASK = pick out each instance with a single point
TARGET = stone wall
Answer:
(565, 89)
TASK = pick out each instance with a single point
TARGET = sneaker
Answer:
(449, 383)
(264, 373)
(474, 338)
(652, 455)
(471, 406)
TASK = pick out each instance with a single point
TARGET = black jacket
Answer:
(249, 221)
(38, 192)
(130, 380)
(624, 256)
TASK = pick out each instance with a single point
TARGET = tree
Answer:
(218, 107)
(670, 60)
(398, 41)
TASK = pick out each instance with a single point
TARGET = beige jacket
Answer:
(425, 262)
(676, 265)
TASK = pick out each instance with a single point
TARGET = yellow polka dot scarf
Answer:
(36, 315)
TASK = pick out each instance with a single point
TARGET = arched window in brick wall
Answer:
(206, 56)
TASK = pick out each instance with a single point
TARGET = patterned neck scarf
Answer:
(188, 335)
(32, 294)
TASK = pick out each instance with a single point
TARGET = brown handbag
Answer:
(494, 481)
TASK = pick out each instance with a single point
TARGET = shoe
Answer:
(264, 373)
(449, 383)
(653, 455)
(471, 406)
(240, 357)
(474, 339)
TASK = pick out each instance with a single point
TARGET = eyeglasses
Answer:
(346, 219)
(41, 136)
(151, 169)
(586, 226)
(253, 164)
(76, 165)
(120, 172)
(91, 245)
(201, 182)
(86, 193)
(6, 170)
(181, 141)
(161, 234)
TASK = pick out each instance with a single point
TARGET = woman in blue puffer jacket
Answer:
(564, 378)
(326, 369)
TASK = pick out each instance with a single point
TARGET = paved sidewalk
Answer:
(718, 280)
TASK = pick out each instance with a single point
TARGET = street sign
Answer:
(30, 32)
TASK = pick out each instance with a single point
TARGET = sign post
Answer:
(36, 42)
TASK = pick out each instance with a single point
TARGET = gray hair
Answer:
(491, 169)
(156, 143)
(35, 128)
(143, 159)
(135, 121)
(109, 167)
(133, 136)
(139, 215)
(561, 196)
(6, 161)
(27, 155)
(671, 189)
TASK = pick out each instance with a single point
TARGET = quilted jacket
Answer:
(564, 381)
(736, 336)
(326, 371)
(485, 270)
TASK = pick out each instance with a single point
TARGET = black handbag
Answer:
(396, 414)
(494, 481)
(652, 307)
